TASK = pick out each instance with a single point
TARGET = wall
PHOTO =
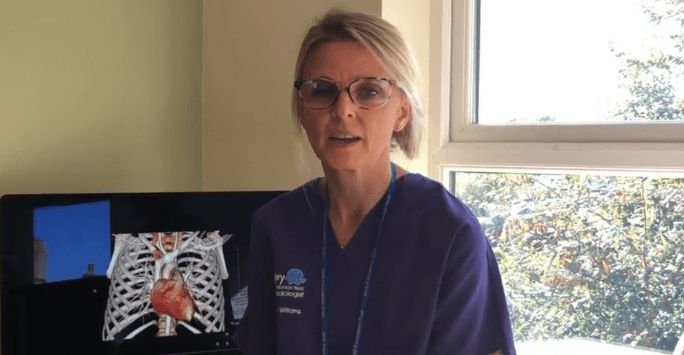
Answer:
(105, 96)
(100, 95)
(250, 48)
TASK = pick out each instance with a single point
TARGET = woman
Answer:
(369, 259)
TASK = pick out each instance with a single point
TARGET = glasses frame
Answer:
(298, 85)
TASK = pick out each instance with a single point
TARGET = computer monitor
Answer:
(124, 273)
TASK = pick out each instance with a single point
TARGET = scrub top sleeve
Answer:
(471, 317)
(257, 333)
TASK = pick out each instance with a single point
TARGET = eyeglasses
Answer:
(367, 93)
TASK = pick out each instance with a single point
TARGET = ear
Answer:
(403, 114)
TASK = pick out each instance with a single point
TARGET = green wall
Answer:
(100, 95)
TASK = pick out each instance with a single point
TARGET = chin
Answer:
(355, 159)
(341, 165)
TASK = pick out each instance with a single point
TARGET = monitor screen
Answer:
(124, 273)
(71, 241)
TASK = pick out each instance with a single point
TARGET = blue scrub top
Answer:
(436, 288)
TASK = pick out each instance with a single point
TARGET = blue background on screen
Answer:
(74, 237)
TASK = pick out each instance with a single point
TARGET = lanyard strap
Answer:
(325, 268)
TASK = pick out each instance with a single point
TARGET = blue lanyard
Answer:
(325, 267)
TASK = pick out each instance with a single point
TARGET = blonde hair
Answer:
(386, 43)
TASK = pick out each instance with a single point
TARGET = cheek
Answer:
(386, 122)
(312, 137)
(312, 126)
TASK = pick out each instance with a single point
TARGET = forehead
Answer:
(343, 61)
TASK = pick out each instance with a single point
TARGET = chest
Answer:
(398, 283)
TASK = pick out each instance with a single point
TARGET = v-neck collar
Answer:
(360, 246)
(332, 239)
(371, 217)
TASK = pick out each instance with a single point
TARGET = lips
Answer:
(345, 138)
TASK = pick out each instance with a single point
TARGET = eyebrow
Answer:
(356, 78)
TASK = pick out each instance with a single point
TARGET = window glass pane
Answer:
(581, 61)
(585, 258)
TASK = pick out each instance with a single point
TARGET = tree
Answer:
(652, 81)
(587, 256)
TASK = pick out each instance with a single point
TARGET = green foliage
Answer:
(586, 256)
(651, 81)
(545, 118)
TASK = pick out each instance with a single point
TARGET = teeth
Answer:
(344, 136)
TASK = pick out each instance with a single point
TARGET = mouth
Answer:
(344, 138)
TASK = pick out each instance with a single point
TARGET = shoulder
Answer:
(429, 217)
(424, 197)
(292, 205)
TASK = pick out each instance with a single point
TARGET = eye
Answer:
(368, 90)
(322, 89)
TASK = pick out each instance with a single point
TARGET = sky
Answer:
(541, 57)
(74, 237)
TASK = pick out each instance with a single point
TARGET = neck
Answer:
(353, 193)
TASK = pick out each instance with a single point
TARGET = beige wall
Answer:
(108, 95)
(100, 95)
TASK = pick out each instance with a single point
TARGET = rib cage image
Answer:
(167, 279)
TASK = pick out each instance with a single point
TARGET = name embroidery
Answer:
(289, 310)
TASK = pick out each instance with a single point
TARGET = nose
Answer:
(344, 106)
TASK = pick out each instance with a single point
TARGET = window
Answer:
(583, 61)
(585, 256)
(461, 136)
(480, 142)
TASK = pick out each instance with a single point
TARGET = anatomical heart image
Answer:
(166, 280)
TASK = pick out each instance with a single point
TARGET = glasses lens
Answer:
(318, 93)
(370, 93)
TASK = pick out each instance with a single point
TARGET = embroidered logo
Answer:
(295, 277)
(294, 287)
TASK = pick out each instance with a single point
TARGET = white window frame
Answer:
(456, 143)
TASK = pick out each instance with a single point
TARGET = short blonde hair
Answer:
(386, 43)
